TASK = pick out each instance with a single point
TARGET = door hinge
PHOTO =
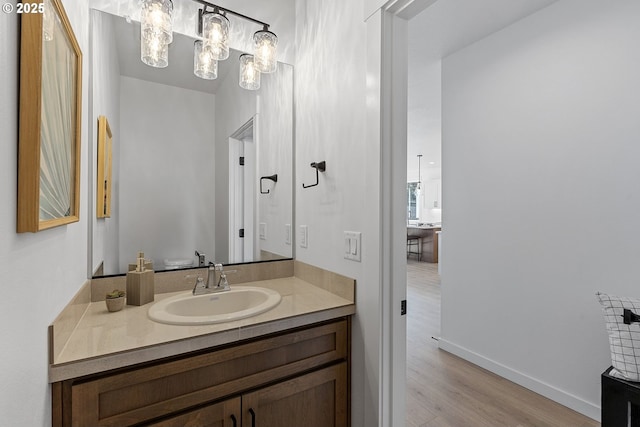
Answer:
(241, 232)
(242, 161)
(403, 307)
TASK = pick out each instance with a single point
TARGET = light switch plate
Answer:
(263, 231)
(304, 236)
(287, 234)
(353, 245)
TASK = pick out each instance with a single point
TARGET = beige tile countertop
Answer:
(103, 341)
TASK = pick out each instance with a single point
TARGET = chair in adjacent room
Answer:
(414, 246)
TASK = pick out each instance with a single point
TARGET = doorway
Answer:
(454, 33)
(242, 194)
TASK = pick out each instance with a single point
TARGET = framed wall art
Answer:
(103, 193)
(50, 117)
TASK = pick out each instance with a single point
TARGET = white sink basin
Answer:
(238, 303)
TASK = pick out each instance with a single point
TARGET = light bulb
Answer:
(264, 50)
(155, 52)
(249, 74)
(215, 35)
(156, 20)
(204, 66)
(156, 32)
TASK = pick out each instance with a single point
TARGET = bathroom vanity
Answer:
(289, 366)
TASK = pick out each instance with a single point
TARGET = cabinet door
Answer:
(317, 399)
(223, 414)
(433, 192)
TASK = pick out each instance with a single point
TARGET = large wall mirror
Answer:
(178, 182)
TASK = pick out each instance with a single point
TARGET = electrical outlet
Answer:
(304, 236)
(287, 234)
(353, 245)
(263, 231)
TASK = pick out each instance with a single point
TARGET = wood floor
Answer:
(446, 391)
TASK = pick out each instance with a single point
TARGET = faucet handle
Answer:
(199, 285)
(223, 283)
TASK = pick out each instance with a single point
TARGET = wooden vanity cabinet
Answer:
(293, 378)
(317, 399)
(220, 414)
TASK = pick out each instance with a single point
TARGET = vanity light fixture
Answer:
(155, 53)
(204, 65)
(249, 74)
(156, 32)
(213, 26)
(264, 50)
(215, 33)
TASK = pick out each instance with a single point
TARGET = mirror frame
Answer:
(31, 111)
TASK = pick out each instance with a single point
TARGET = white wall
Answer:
(166, 132)
(40, 272)
(424, 121)
(105, 86)
(330, 105)
(540, 131)
(275, 154)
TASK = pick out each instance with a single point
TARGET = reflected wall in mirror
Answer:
(177, 183)
(50, 117)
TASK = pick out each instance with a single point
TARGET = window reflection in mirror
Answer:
(413, 195)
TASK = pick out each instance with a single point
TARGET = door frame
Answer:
(249, 128)
(387, 70)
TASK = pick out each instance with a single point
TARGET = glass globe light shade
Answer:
(249, 74)
(156, 20)
(215, 35)
(264, 51)
(155, 52)
(204, 66)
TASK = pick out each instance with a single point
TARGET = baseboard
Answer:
(570, 401)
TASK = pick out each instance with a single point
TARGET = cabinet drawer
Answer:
(150, 392)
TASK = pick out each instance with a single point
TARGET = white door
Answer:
(236, 201)
(249, 195)
(242, 194)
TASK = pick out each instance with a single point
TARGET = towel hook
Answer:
(273, 178)
(319, 166)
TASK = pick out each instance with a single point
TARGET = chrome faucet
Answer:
(201, 259)
(211, 285)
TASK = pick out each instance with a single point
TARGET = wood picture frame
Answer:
(50, 121)
(103, 193)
